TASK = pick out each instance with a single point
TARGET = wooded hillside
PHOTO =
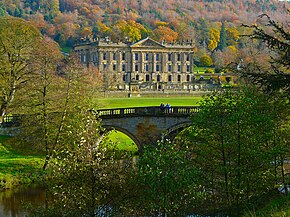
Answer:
(214, 25)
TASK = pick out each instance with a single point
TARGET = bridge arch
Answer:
(173, 131)
(126, 132)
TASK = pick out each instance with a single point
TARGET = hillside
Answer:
(68, 20)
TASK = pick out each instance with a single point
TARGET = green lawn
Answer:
(17, 169)
(123, 141)
(141, 102)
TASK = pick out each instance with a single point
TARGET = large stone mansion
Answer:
(146, 64)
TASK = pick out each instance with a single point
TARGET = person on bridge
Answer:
(168, 108)
(162, 107)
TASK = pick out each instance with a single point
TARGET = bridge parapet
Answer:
(148, 111)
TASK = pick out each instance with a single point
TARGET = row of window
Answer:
(137, 55)
(158, 78)
(146, 68)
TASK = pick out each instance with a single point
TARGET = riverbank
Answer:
(16, 167)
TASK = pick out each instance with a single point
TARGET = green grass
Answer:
(66, 49)
(17, 169)
(202, 70)
(123, 141)
(141, 102)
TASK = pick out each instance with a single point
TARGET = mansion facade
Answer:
(143, 65)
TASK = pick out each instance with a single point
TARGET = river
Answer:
(12, 201)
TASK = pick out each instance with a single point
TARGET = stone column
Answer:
(153, 57)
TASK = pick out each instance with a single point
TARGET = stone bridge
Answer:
(146, 125)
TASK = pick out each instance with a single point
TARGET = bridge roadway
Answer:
(147, 125)
(144, 125)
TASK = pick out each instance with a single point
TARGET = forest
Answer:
(214, 25)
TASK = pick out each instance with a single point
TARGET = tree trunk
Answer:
(6, 102)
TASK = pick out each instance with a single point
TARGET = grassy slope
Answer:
(17, 169)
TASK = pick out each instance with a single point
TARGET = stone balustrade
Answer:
(149, 111)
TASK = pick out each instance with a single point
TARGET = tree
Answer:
(103, 29)
(88, 173)
(223, 37)
(205, 61)
(18, 44)
(165, 33)
(166, 182)
(58, 91)
(230, 55)
(203, 32)
(86, 32)
(214, 39)
(218, 59)
(43, 99)
(2, 10)
(277, 41)
(109, 81)
(232, 36)
(234, 140)
(75, 95)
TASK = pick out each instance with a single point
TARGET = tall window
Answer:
(169, 57)
(136, 56)
(123, 56)
(187, 57)
(187, 68)
(146, 56)
(124, 77)
(136, 68)
(169, 78)
(137, 77)
(123, 67)
(146, 67)
(178, 57)
(157, 68)
(188, 78)
(179, 68)
(157, 57)
(169, 68)
(158, 77)
(147, 77)
(114, 56)
(114, 67)
(178, 78)
(104, 56)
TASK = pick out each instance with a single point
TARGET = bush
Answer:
(206, 61)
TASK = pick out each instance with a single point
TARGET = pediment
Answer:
(148, 42)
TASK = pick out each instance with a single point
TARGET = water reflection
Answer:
(12, 201)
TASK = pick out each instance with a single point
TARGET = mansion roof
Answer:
(143, 43)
